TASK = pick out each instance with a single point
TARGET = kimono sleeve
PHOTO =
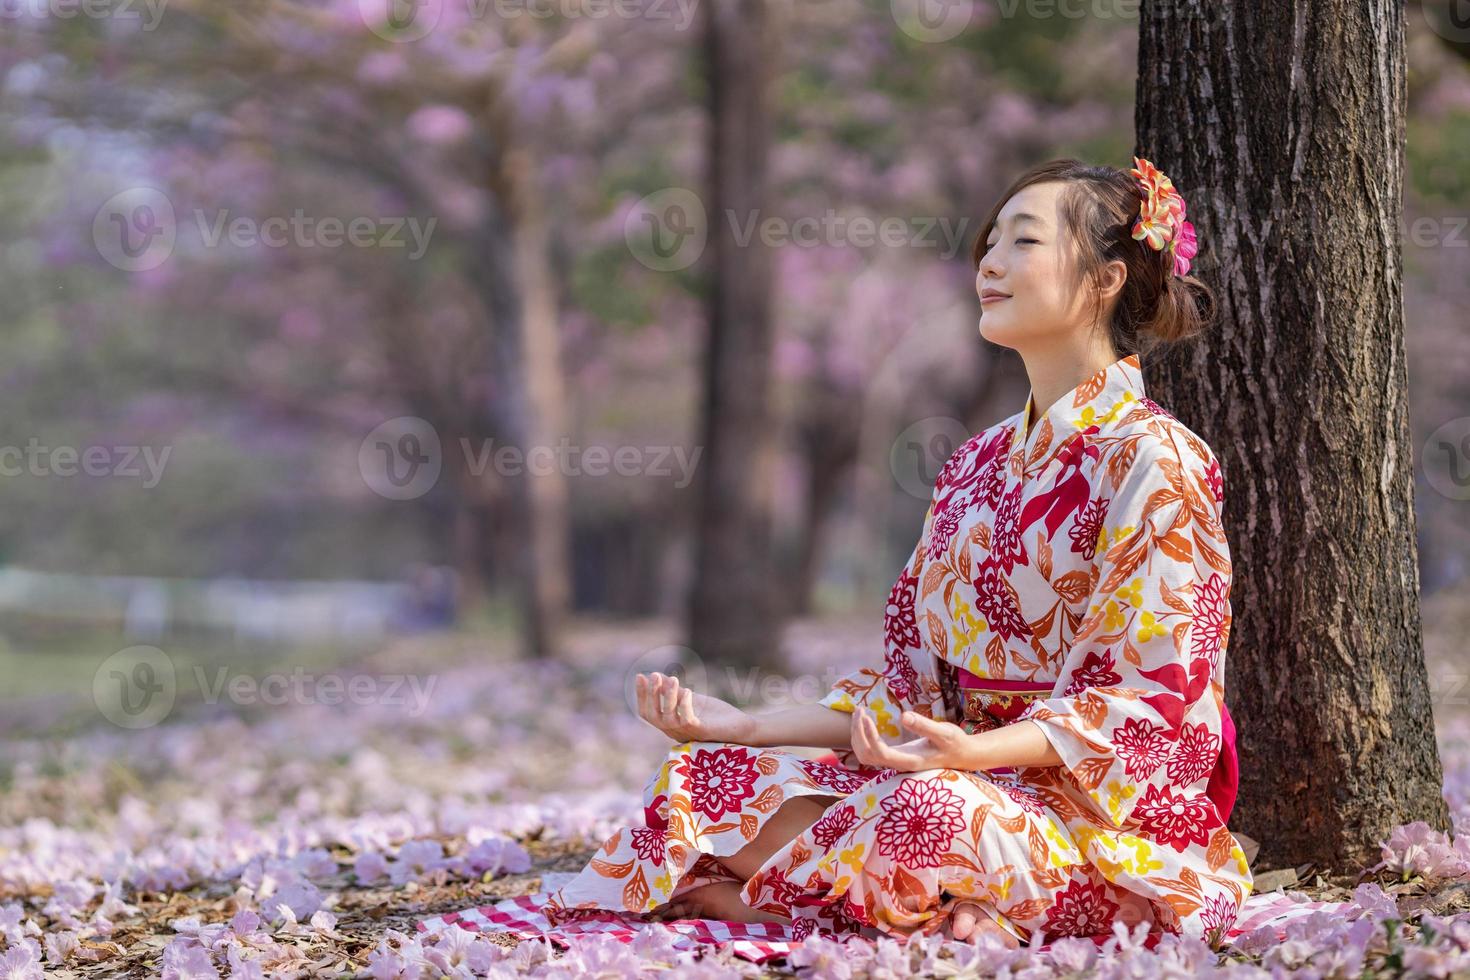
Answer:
(1134, 716)
(906, 680)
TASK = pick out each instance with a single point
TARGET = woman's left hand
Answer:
(940, 745)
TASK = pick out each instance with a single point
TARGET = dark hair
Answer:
(1097, 210)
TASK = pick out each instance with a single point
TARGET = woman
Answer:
(1044, 749)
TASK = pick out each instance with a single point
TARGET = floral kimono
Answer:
(1073, 574)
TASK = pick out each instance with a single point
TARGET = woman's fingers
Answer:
(917, 723)
(650, 700)
(641, 686)
(672, 693)
(686, 707)
(865, 736)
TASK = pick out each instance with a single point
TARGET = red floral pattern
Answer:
(920, 818)
(1195, 755)
(1177, 821)
(835, 824)
(1096, 671)
(722, 779)
(1084, 532)
(1081, 910)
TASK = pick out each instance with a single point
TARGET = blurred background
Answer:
(291, 291)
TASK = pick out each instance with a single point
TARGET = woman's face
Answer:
(1025, 260)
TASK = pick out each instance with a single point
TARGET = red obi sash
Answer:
(988, 703)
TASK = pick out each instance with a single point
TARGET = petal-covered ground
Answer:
(306, 839)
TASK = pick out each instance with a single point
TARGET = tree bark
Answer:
(732, 615)
(1283, 126)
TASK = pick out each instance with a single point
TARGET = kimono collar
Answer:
(1097, 401)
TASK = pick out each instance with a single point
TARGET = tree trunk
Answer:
(1283, 127)
(507, 260)
(732, 617)
(830, 446)
(546, 485)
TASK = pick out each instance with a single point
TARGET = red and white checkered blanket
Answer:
(763, 941)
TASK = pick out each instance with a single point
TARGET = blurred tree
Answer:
(1283, 125)
(733, 615)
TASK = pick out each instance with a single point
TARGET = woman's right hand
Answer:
(685, 715)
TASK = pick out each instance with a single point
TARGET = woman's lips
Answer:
(992, 299)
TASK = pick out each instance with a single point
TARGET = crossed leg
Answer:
(722, 899)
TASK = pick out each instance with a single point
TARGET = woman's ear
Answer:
(1112, 278)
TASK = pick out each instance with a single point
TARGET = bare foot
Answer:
(680, 908)
(968, 921)
(716, 900)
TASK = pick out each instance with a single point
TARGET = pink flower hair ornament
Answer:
(1161, 216)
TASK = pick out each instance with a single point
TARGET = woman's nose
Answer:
(988, 271)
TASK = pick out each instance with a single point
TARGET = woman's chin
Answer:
(996, 330)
